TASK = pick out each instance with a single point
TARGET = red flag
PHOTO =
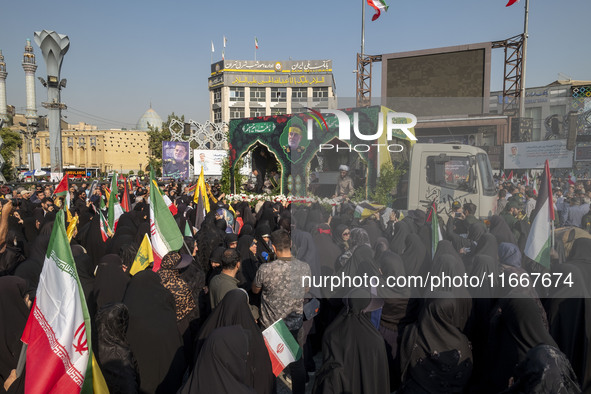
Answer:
(511, 2)
(125, 199)
(137, 183)
(62, 187)
(510, 175)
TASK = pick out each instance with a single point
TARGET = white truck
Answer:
(447, 173)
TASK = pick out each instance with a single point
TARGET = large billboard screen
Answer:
(175, 160)
(527, 155)
(435, 82)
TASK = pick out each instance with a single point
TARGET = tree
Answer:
(12, 141)
(155, 142)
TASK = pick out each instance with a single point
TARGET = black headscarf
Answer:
(110, 282)
(545, 370)
(569, 317)
(435, 355)
(580, 255)
(234, 310)
(476, 230)
(500, 229)
(153, 334)
(354, 353)
(516, 327)
(395, 298)
(327, 251)
(13, 315)
(222, 365)
(414, 255)
(337, 236)
(118, 365)
(249, 264)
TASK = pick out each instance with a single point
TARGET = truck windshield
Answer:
(488, 183)
(454, 173)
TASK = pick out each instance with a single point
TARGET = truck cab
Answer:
(445, 173)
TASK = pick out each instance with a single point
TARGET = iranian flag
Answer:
(125, 205)
(539, 241)
(164, 232)
(59, 353)
(572, 179)
(282, 346)
(379, 6)
(106, 231)
(256, 43)
(115, 210)
(435, 230)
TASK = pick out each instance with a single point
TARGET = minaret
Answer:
(3, 74)
(30, 67)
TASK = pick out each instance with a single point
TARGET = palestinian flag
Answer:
(539, 241)
(59, 353)
(115, 210)
(379, 6)
(164, 232)
(365, 210)
(61, 190)
(435, 229)
(282, 346)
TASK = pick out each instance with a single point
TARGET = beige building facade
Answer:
(105, 150)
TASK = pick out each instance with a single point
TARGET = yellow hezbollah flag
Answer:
(71, 226)
(201, 190)
(144, 256)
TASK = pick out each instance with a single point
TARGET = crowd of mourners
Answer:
(195, 325)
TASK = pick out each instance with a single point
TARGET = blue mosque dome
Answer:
(149, 117)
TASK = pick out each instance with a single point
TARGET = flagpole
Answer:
(362, 28)
(523, 59)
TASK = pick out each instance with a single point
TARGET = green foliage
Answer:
(12, 141)
(155, 142)
(386, 184)
(359, 194)
(238, 178)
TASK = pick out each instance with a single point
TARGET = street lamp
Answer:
(54, 47)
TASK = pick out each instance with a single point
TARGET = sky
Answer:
(127, 54)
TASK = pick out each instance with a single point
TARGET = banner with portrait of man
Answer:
(175, 160)
(211, 161)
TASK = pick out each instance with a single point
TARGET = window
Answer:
(488, 183)
(299, 94)
(236, 112)
(453, 172)
(217, 95)
(279, 95)
(254, 112)
(257, 94)
(236, 94)
(217, 115)
(320, 94)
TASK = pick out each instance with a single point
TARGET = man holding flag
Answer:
(282, 300)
